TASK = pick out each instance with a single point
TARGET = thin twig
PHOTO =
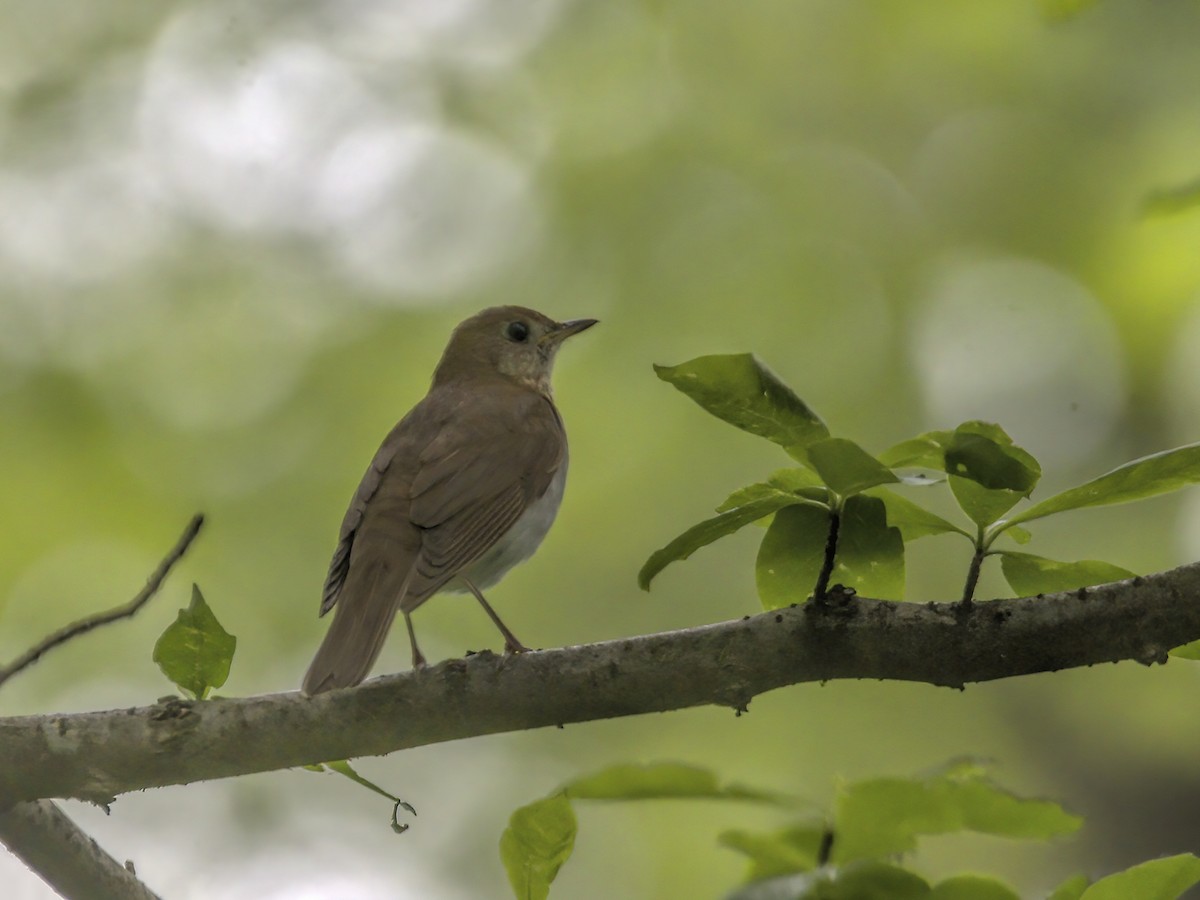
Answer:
(973, 576)
(831, 543)
(124, 611)
(65, 857)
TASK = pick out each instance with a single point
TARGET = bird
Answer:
(462, 489)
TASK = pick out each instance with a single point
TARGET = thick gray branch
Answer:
(70, 862)
(101, 754)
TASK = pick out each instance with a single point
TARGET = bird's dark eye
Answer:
(517, 331)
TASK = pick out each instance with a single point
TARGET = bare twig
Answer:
(65, 857)
(124, 611)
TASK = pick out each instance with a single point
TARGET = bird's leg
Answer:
(511, 644)
(417, 656)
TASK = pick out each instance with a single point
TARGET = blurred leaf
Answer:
(1063, 10)
(803, 483)
(1159, 879)
(858, 881)
(913, 520)
(983, 452)
(342, 767)
(791, 555)
(972, 887)
(1158, 473)
(1071, 889)
(1173, 200)
(538, 840)
(663, 781)
(1030, 575)
(881, 816)
(710, 530)
(870, 553)
(194, 651)
(846, 467)
(982, 505)
(783, 852)
(740, 390)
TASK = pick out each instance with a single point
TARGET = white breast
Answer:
(519, 542)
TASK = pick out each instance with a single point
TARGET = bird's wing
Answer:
(474, 481)
(401, 442)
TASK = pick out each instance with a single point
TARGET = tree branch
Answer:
(98, 755)
(124, 611)
(54, 847)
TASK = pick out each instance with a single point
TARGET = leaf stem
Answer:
(973, 575)
(831, 542)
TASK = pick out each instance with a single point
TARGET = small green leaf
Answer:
(1187, 651)
(664, 781)
(972, 887)
(926, 451)
(882, 816)
(846, 467)
(857, 881)
(1018, 534)
(343, 768)
(870, 553)
(983, 505)
(791, 555)
(771, 854)
(1071, 889)
(740, 390)
(195, 651)
(802, 483)
(1149, 476)
(538, 840)
(983, 452)
(710, 530)
(1159, 879)
(1029, 575)
(913, 520)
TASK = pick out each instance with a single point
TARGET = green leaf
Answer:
(870, 553)
(740, 390)
(858, 881)
(882, 816)
(846, 467)
(803, 484)
(771, 854)
(195, 651)
(1071, 889)
(983, 452)
(343, 768)
(972, 887)
(1029, 575)
(791, 555)
(664, 781)
(983, 505)
(538, 840)
(1159, 879)
(1187, 651)
(710, 530)
(913, 520)
(1149, 476)
(1018, 534)
(926, 451)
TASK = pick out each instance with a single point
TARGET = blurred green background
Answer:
(233, 239)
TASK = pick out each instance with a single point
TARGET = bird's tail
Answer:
(361, 621)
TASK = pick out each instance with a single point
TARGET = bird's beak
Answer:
(564, 330)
